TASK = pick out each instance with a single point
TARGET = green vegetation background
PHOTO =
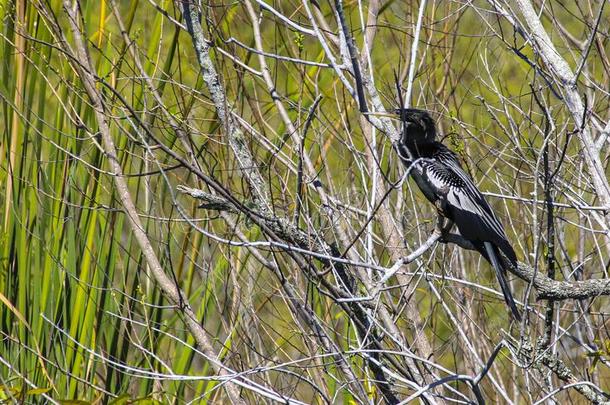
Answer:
(73, 284)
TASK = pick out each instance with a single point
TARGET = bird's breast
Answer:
(422, 181)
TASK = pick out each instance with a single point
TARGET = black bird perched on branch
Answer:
(450, 188)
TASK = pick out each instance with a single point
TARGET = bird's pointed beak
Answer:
(383, 114)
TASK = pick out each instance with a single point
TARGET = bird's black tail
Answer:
(497, 264)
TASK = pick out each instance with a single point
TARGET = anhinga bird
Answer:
(450, 188)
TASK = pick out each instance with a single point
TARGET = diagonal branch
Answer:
(248, 166)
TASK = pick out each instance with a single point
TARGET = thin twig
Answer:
(414, 46)
(353, 53)
(299, 188)
(585, 54)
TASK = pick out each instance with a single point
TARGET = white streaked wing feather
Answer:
(473, 194)
(461, 193)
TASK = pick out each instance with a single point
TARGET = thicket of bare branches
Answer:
(247, 150)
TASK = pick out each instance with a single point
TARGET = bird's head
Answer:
(419, 127)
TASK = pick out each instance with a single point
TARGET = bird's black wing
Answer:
(465, 204)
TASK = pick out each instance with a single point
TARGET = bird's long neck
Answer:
(423, 148)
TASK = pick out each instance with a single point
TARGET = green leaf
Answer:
(120, 400)
(38, 391)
